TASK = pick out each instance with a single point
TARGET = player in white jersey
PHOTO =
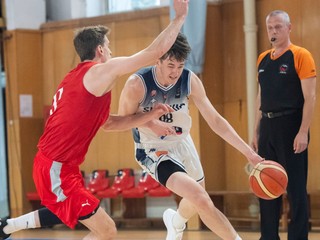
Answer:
(164, 147)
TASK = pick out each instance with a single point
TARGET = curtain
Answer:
(195, 28)
(4, 200)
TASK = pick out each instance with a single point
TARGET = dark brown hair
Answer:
(179, 50)
(87, 39)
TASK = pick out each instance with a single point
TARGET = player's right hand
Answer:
(162, 129)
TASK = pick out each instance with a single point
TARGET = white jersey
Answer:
(151, 149)
(177, 96)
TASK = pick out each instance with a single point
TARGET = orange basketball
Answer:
(268, 180)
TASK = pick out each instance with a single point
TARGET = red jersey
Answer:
(75, 117)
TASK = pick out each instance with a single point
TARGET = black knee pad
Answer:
(47, 218)
(166, 169)
(89, 215)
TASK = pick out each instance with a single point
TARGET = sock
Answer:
(178, 221)
(23, 222)
(238, 238)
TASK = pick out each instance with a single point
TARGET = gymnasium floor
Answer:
(52, 234)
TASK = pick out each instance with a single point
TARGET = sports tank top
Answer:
(174, 95)
(75, 117)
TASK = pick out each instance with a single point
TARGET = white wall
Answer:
(24, 14)
(30, 14)
(59, 10)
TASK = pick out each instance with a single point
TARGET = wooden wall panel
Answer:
(310, 37)
(236, 177)
(233, 52)
(213, 65)
(59, 58)
(234, 104)
(212, 155)
(23, 66)
(49, 84)
(264, 7)
(30, 131)
(13, 127)
(212, 146)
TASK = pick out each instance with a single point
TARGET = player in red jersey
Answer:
(80, 107)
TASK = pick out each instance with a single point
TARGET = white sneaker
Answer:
(172, 232)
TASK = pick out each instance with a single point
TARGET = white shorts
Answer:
(182, 153)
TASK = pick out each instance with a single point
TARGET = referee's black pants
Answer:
(276, 143)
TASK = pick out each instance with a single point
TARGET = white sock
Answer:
(23, 222)
(178, 221)
(238, 238)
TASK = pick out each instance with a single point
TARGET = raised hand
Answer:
(181, 7)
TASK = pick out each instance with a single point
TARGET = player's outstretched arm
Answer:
(123, 123)
(218, 124)
(107, 73)
(157, 48)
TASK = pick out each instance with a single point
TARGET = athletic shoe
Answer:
(3, 223)
(172, 232)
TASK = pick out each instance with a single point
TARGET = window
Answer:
(129, 5)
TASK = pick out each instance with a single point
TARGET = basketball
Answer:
(268, 180)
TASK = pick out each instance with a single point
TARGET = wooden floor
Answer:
(134, 235)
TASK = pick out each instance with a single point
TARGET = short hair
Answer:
(179, 50)
(87, 39)
(284, 14)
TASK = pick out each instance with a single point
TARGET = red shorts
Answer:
(61, 189)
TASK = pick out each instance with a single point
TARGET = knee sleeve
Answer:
(89, 215)
(166, 169)
(47, 218)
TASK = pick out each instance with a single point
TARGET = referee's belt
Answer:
(278, 114)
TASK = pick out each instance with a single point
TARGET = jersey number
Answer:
(168, 118)
(56, 98)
